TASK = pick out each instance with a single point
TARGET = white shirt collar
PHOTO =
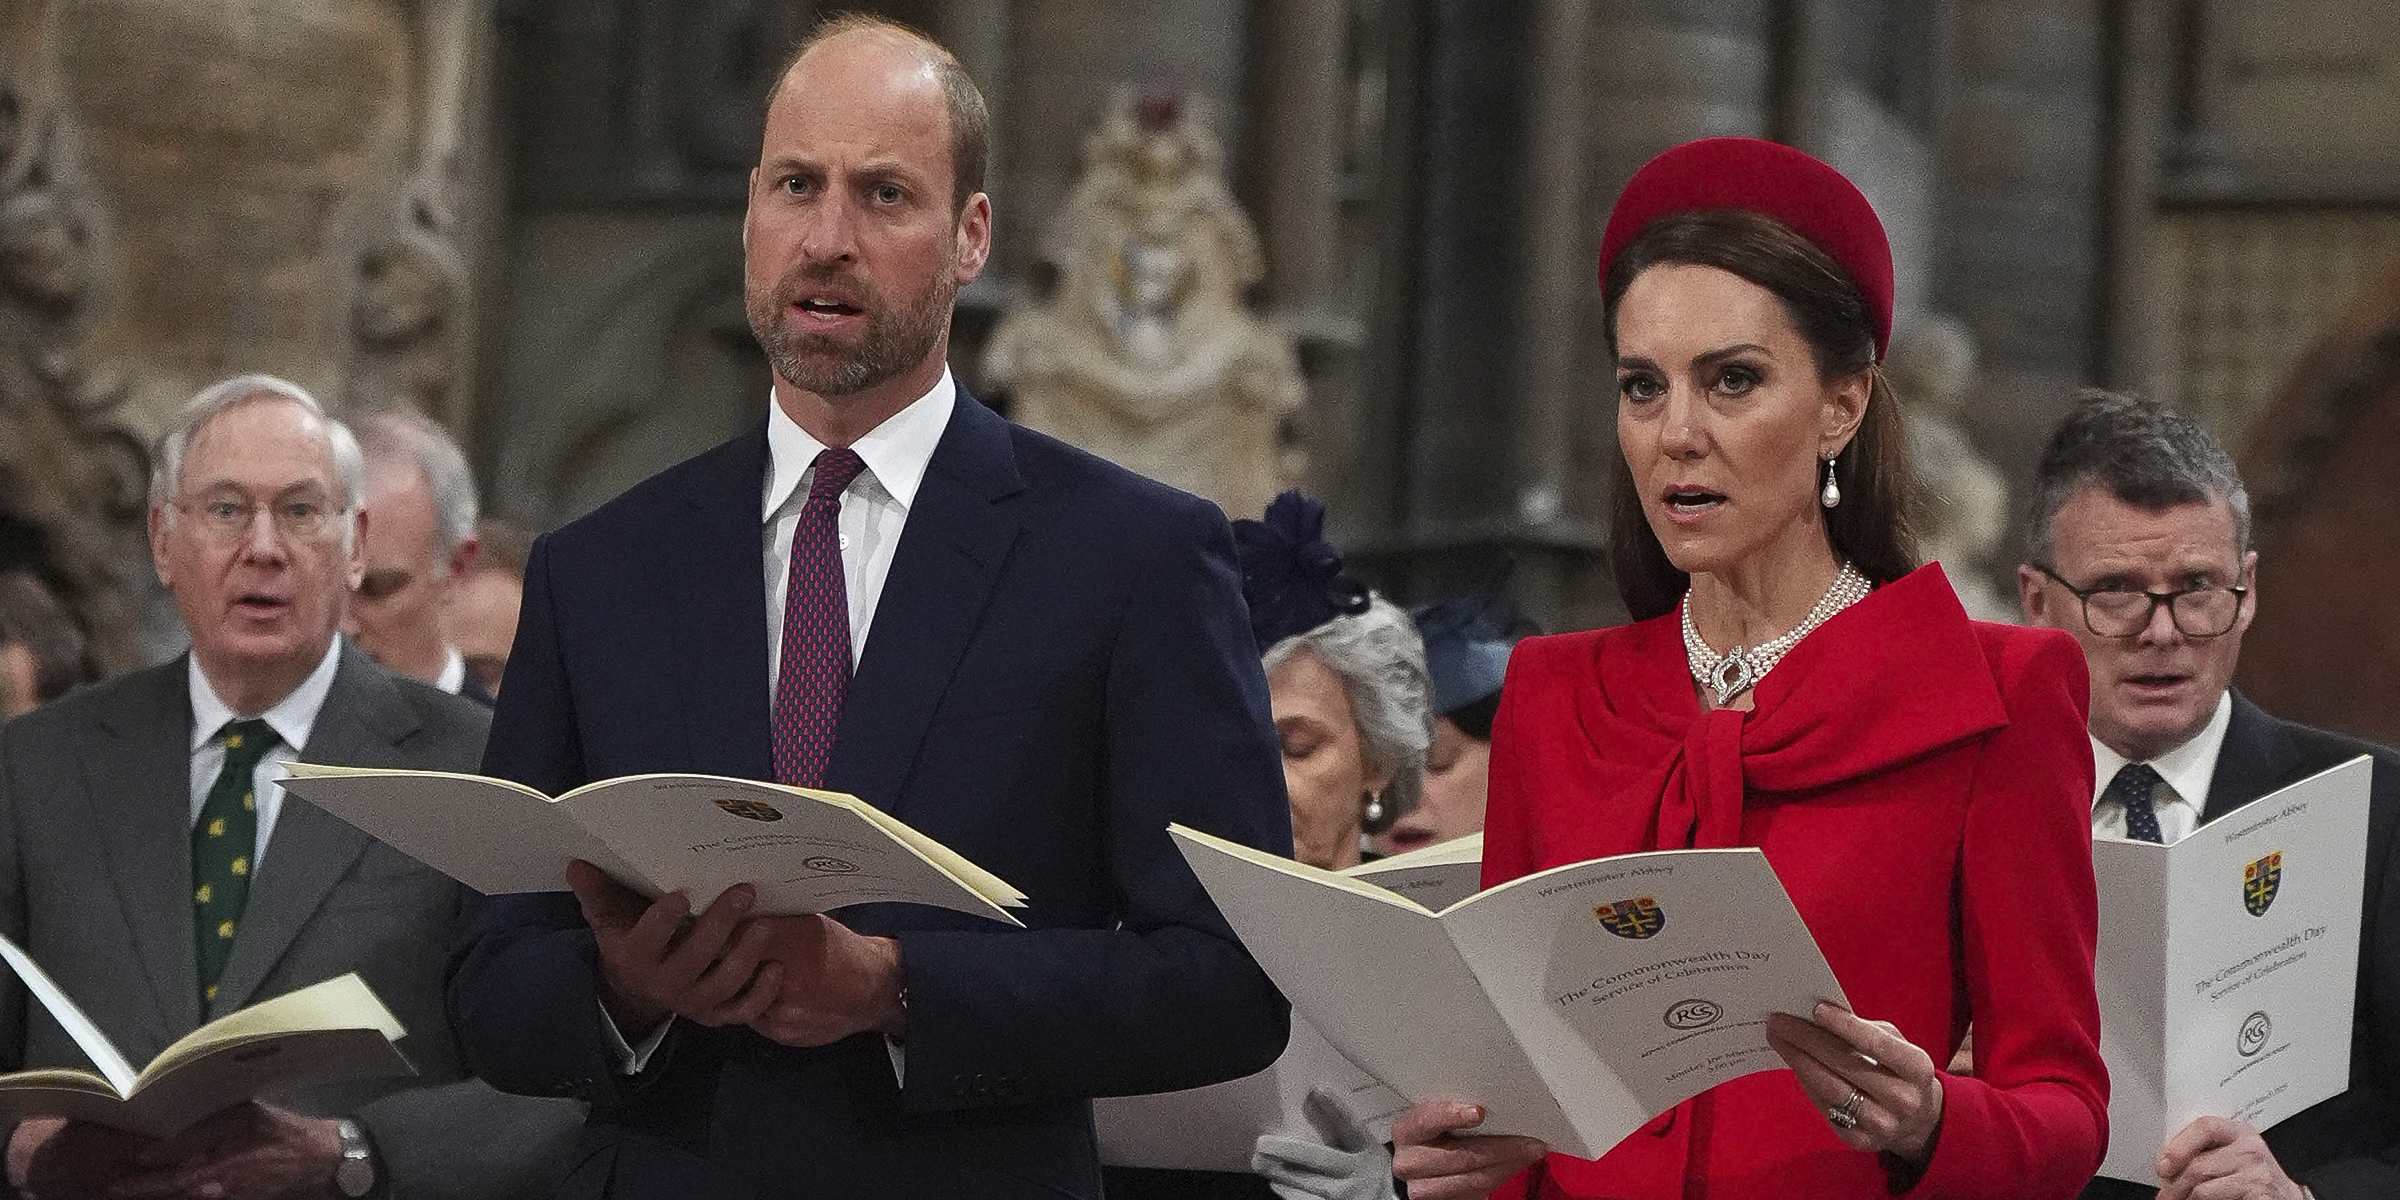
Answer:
(2187, 768)
(291, 718)
(896, 451)
(454, 672)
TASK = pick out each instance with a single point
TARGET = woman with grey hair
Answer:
(1346, 679)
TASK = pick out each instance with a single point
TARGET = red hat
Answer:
(1769, 178)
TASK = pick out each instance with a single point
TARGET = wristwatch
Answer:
(354, 1175)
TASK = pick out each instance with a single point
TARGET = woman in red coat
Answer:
(1793, 681)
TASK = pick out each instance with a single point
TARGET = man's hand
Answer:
(654, 961)
(247, 1152)
(2216, 1159)
(48, 1157)
(836, 981)
(1439, 1164)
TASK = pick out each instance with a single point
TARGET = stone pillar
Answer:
(2017, 259)
(1558, 275)
(1300, 148)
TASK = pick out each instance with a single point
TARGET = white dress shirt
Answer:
(2185, 772)
(454, 672)
(874, 510)
(874, 507)
(291, 719)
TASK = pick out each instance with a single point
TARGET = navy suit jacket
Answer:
(2347, 1148)
(1060, 665)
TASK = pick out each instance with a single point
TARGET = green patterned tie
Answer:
(222, 842)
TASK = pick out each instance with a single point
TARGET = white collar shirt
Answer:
(2185, 772)
(292, 718)
(454, 672)
(874, 507)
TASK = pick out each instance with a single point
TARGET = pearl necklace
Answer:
(1739, 669)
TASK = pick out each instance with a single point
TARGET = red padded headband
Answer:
(1764, 177)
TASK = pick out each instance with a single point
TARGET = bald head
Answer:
(860, 40)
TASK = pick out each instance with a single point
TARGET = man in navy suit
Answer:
(2140, 547)
(1033, 656)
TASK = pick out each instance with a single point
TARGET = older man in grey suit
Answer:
(149, 862)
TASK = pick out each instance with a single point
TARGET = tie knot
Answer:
(835, 470)
(2135, 780)
(249, 739)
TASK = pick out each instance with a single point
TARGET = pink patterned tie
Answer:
(814, 672)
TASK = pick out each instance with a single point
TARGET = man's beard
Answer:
(896, 339)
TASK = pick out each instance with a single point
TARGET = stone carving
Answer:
(1145, 354)
(191, 188)
(71, 476)
(1965, 519)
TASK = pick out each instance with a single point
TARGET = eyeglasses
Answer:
(2198, 612)
(228, 519)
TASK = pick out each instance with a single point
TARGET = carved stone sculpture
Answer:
(193, 188)
(1145, 354)
(1965, 519)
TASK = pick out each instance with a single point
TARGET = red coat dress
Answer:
(1922, 784)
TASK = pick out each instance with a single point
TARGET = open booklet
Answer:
(1573, 1005)
(1436, 876)
(2228, 965)
(331, 1030)
(1214, 1128)
(805, 850)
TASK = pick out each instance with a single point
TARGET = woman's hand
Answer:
(1441, 1165)
(1879, 1091)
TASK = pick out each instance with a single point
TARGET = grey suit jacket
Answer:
(95, 881)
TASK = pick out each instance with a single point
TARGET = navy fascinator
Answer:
(1467, 643)
(1292, 576)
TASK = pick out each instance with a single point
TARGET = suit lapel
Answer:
(718, 613)
(951, 551)
(139, 780)
(2257, 758)
(309, 851)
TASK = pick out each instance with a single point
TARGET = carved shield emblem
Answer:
(2259, 881)
(756, 810)
(1637, 918)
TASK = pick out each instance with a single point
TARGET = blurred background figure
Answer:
(483, 615)
(1963, 518)
(420, 549)
(41, 647)
(1467, 642)
(1346, 678)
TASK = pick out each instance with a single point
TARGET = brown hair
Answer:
(31, 616)
(970, 121)
(1873, 527)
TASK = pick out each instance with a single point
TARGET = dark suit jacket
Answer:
(95, 881)
(2347, 1148)
(1060, 665)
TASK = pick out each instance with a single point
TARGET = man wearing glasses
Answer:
(2139, 546)
(150, 864)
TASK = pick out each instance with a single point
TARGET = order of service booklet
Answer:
(805, 850)
(2228, 965)
(1214, 1128)
(1573, 1005)
(1436, 876)
(325, 1031)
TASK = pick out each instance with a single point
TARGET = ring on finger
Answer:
(1845, 1114)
